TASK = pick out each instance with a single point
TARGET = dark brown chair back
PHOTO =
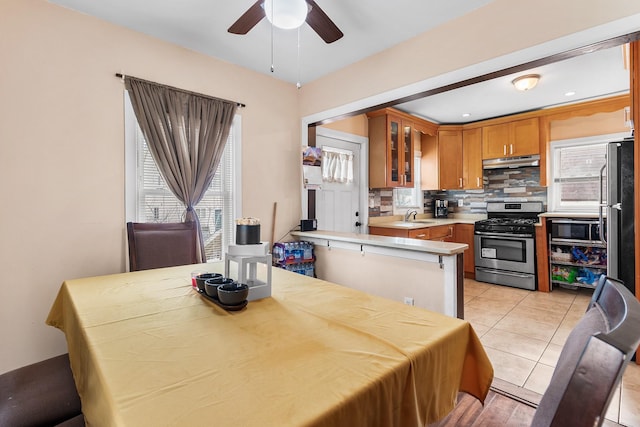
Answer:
(592, 360)
(157, 245)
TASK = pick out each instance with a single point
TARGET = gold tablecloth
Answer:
(147, 350)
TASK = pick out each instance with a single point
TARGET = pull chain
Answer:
(298, 85)
(272, 67)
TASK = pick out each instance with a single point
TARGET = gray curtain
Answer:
(186, 134)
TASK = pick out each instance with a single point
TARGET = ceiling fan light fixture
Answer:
(286, 14)
(527, 82)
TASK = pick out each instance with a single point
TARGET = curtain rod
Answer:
(239, 104)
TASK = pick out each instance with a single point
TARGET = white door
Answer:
(337, 204)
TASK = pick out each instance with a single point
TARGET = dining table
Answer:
(147, 349)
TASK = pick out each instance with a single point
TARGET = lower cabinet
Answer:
(458, 233)
(464, 234)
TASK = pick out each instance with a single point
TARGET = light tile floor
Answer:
(523, 333)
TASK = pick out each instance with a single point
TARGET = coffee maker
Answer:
(440, 208)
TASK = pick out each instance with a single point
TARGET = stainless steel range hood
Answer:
(511, 162)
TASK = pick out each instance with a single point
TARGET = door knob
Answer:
(358, 223)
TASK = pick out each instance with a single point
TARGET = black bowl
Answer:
(201, 278)
(211, 285)
(233, 293)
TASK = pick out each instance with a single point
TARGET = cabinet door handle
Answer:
(504, 149)
(460, 182)
(510, 148)
(420, 235)
(477, 181)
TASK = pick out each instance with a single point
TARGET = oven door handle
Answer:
(504, 273)
(509, 236)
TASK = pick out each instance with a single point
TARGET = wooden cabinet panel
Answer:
(450, 159)
(442, 233)
(472, 159)
(495, 139)
(542, 257)
(464, 234)
(420, 233)
(391, 232)
(526, 137)
(517, 138)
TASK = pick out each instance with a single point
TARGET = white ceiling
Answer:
(597, 74)
(369, 27)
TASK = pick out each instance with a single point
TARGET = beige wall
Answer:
(356, 125)
(597, 124)
(62, 154)
(61, 132)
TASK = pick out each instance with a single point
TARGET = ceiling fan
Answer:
(316, 18)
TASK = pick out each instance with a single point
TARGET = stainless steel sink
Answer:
(424, 221)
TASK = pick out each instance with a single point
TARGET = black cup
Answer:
(233, 293)
(211, 285)
(201, 278)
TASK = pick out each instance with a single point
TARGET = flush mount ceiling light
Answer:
(286, 14)
(527, 82)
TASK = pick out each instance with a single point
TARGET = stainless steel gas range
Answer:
(504, 244)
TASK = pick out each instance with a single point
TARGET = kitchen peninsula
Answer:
(425, 273)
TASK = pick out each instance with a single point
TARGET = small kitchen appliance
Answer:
(504, 244)
(440, 208)
(308, 224)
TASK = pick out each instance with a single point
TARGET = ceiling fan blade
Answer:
(249, 19)
(322, 24)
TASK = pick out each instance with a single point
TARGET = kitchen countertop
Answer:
(423, 222)
(417, 245)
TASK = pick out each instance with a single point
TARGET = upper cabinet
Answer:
(391, 148)
(450, 159)
(472, 159)
(516, 138)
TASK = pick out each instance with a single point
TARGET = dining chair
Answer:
(157, 245)
(589, 369)
(40, 394)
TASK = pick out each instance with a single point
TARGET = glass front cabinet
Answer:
(391, 149)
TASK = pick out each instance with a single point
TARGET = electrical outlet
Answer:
(460, 203)
(408, 300)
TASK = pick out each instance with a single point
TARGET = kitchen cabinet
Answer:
(442, 233)
(516, 138)
(472, 178)
(542, 256)
(391, 232)
(391, 147)
(464, 234)
(450, 159)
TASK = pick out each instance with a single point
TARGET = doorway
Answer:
(340, 206)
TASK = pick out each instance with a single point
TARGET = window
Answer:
(409, 198)
(575, 173)
(150, 200)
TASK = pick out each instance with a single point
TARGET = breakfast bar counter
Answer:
(426, 273)
(147, 349)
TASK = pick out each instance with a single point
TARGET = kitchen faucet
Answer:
(408, 214)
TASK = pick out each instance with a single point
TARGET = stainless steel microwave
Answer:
(569, 229)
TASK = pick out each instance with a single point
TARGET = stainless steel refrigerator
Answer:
(616, 202)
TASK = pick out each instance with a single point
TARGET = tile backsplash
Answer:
(522, 184)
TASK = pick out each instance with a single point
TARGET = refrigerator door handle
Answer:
(601, 206)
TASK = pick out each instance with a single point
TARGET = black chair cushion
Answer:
(41, 394)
